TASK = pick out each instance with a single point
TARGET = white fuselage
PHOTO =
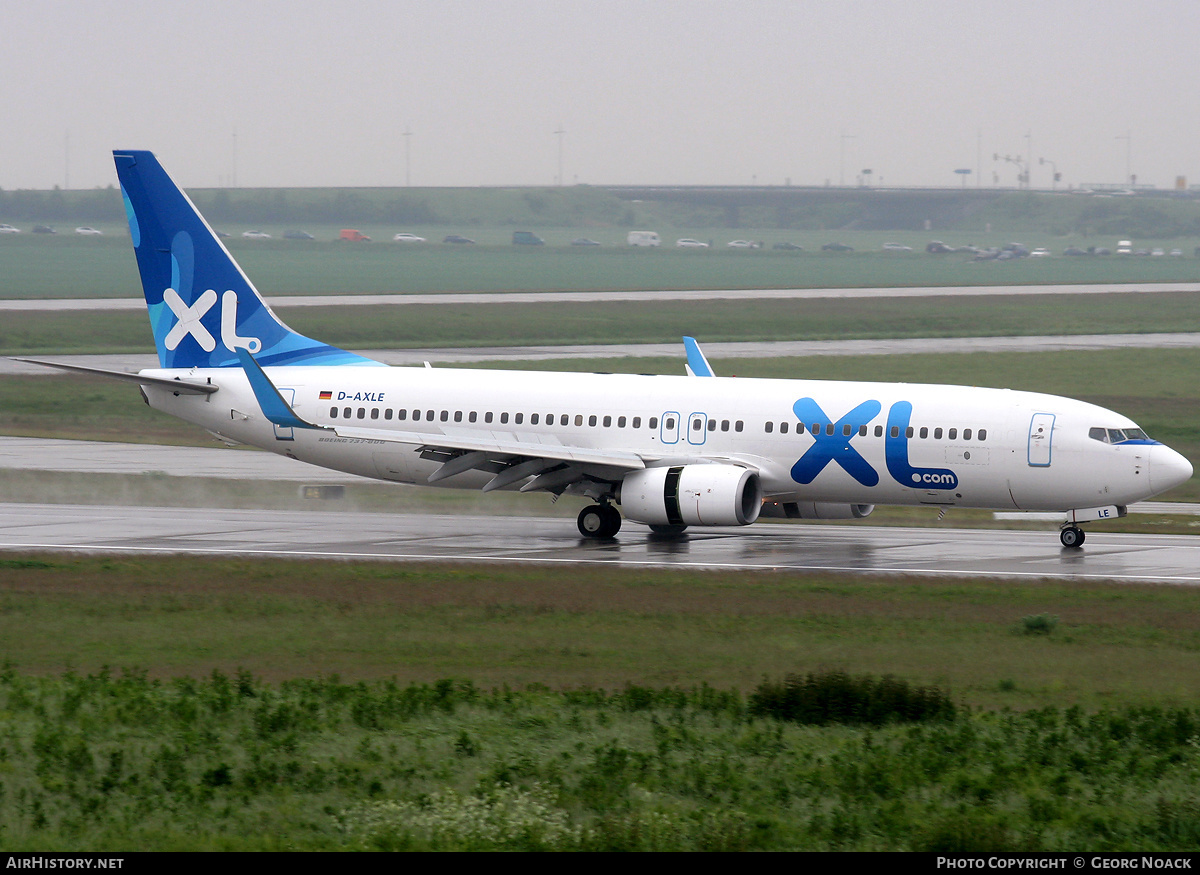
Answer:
(810, 441)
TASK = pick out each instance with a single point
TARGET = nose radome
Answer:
(1168, 469)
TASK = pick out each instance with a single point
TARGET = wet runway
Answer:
(764, 546)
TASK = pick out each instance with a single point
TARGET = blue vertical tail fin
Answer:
(203, 309)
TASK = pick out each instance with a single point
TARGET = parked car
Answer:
(405, 237)
(297, 235)
(256, 235)
(837, 247)
(527, 238)
(88, 231)
(456, 238)
(788, 247)
(353, 235)
(9, 229)
(43, 229)
(642, 238)
(896, 247)
(1040, 252)
(744, 244)
(584, 241)
(936, 247)
(689, 243)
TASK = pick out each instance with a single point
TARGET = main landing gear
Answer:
(599, 521)
(1071, 536)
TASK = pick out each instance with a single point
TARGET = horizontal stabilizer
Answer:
(176, 384)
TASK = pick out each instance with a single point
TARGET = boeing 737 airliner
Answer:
(670, 452)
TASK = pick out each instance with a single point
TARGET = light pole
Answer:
(559, 133)
(1128, 138)
(407, 157)
(1054, 170)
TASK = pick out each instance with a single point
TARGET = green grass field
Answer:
(421, 325)
(67, 266)
(279, 705)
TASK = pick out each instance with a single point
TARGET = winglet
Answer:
(697, 364)
(274, 408)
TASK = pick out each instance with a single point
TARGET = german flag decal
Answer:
(325, 395)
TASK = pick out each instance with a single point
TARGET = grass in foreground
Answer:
(597, 627)
(321, 705)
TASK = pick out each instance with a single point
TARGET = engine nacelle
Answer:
(692, 495)
(816, 510)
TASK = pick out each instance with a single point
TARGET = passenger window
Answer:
(668, 423)
(879, 431)
(908, 432)
(402, 413)
(430, 414)
(654, 422)
(578, 419)
(445, 416)
(487, 417)
(829, 428)
(503, 418)
(608, 422)
(592, 421)
(387, 414)
(769, 427)
(895, 431)
(564, 420)
(846, 429)
(966, 434)
(472, 416)
(783, 428)
(362, 413)
(333, 413)
(724, 425)
(953, 434)
(518, 418)
(533, 419)
(697, 424)
(937, 434)
(374, 412)
(815, 428)
(620, 422)
(862, 431)
(458, 416)
(637, 422)
(737, 426)
(924, 432)
(982, 435)
(346, 413)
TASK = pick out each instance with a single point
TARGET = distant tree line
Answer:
(584, 206)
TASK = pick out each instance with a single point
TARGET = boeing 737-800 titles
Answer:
(670, 452)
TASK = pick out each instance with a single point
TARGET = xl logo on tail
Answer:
(189, 322)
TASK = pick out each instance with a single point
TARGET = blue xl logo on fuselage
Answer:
(832, 444)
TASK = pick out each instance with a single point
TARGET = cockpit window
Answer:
(1117, 435)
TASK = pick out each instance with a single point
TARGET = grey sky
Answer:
(321, 92)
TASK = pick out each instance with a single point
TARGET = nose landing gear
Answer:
(599, 521)
(1071, 536)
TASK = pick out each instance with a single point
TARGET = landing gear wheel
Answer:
(599, 521)
(1071, 536)
(669, 531)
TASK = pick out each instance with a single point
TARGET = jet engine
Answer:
(692, 495)
(816, 510)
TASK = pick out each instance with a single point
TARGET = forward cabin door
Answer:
(1041, 432)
